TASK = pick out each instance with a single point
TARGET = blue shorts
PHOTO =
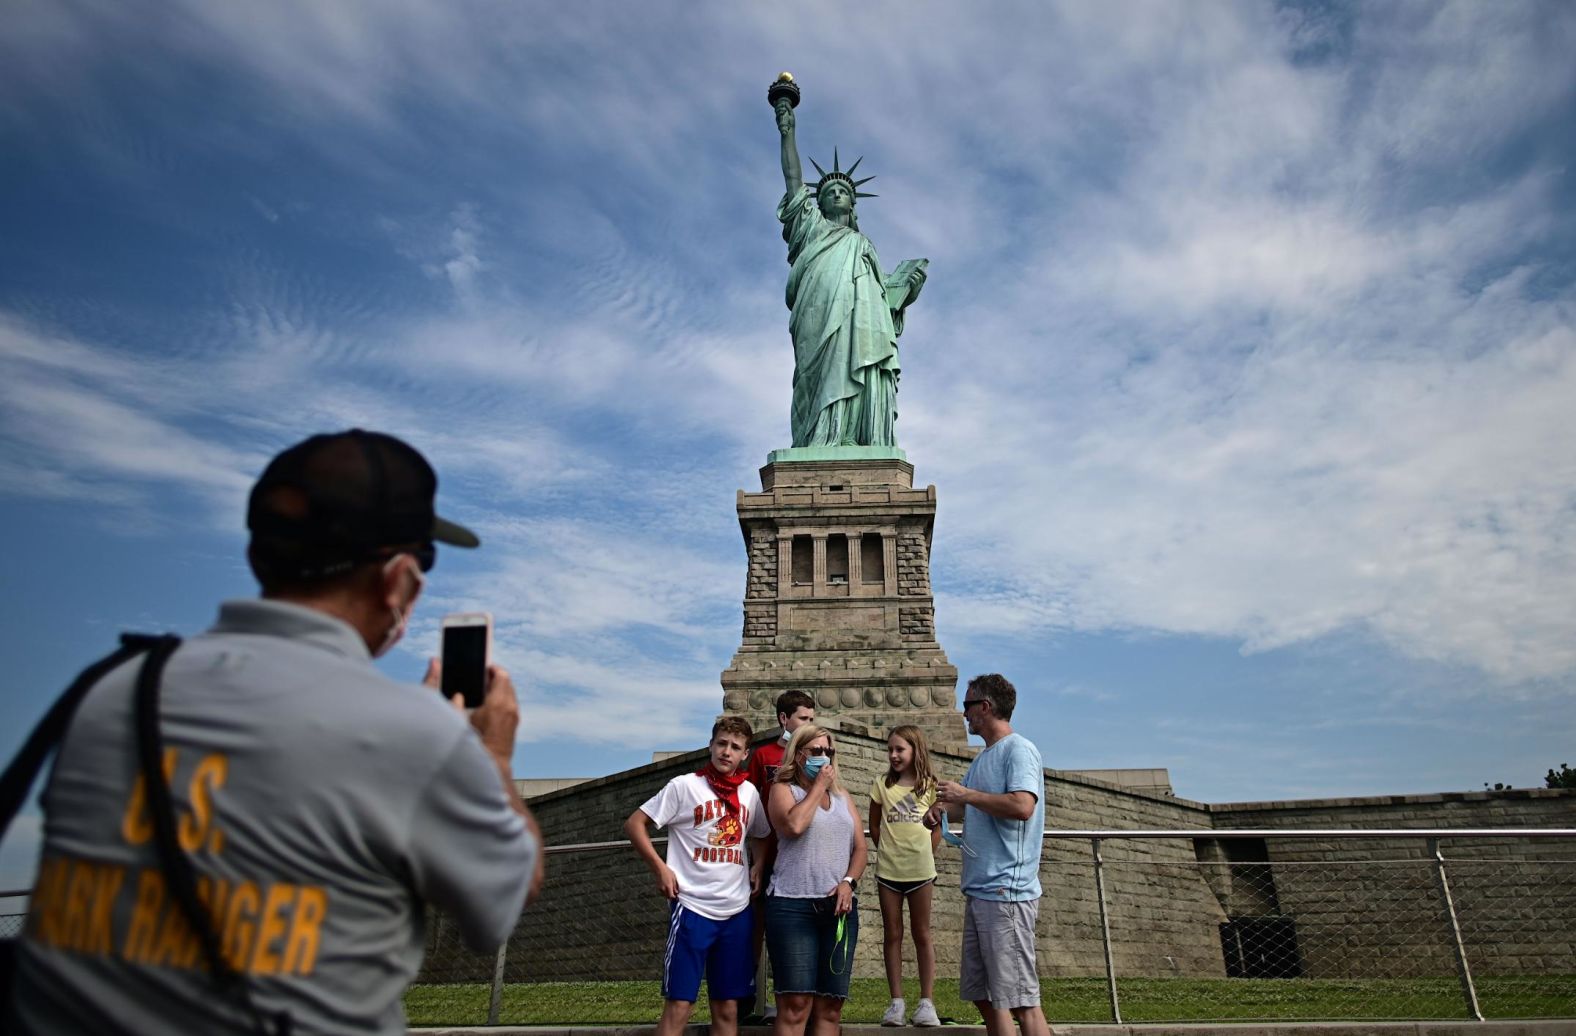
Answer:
(719, 949)
(807, 956)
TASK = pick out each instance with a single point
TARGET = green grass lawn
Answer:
(1071, 1000)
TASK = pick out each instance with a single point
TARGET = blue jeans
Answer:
(807, 955)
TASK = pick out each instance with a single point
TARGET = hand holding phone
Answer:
(467, 652)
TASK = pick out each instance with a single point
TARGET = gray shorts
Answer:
(998, 953)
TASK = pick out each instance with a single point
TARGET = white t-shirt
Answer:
(706, 846)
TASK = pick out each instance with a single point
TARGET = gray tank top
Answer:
(810, 866)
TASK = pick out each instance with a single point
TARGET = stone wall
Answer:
(600, 912)
(1374, 907)
(1358, 906)
(1164, 918)
(603, 917)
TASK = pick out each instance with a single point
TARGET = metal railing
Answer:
(11, 919)
(1282, 957)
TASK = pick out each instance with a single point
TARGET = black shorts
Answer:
(903, 888)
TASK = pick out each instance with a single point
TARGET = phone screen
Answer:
(465, 663)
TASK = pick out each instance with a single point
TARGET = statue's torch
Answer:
(783, 89)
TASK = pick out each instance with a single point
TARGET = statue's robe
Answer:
(845, 323)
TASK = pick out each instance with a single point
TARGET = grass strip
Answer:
(1065, 1000)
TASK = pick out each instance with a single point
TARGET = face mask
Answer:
(812, 766)
(394, 634)
(401, 615)
(950, 838)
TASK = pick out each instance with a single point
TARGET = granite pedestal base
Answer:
(837, 599)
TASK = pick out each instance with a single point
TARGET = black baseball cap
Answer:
(337, 500)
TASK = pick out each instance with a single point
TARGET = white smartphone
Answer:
(467, 651)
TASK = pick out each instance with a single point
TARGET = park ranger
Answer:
(320, 804)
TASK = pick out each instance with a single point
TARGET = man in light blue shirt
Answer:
(1003, 800)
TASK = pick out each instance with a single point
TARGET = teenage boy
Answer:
(709, 877)
(794, 710)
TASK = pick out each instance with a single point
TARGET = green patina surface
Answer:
(846, 312)
(794, 453)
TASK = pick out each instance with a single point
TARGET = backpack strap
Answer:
(24, 768)
(179, 874)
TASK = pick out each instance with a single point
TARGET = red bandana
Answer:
(724, 785)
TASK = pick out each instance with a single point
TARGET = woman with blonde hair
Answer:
(812, 916)
(906, 866)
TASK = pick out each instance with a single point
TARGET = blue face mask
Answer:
(950, 838)
(812, 766)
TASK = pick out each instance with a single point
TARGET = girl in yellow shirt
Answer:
(906, 866)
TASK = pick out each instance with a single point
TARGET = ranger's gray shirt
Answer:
(321, 804)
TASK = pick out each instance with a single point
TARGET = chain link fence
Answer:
(1342, 929)
(13, 911)
(1134, 926)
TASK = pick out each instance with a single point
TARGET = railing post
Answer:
(1105, 931)
(1462, 969)
(495, 1001)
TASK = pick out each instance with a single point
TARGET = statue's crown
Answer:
(839, 174)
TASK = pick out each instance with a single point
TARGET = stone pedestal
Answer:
(837, 602)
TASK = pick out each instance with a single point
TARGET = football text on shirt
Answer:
(727, 835)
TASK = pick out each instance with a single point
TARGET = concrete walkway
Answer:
(1551, 1027)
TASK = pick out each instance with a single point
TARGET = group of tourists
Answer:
(776, 846)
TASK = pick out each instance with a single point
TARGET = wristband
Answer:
(853, 882)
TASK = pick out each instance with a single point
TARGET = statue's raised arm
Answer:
(784, 98)
(846, 314)
(793, 173)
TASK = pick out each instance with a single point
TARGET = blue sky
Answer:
(1244, 370)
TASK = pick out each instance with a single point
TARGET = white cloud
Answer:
(588, 576)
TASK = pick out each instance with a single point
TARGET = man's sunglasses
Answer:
(973, 701)
(426, 555)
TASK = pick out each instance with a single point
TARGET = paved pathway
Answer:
(1551, 1027)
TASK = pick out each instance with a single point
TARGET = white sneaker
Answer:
(894, 1013)
(770, 1013)
(925, 1015)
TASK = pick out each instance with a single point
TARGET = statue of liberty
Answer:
(846, 316)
